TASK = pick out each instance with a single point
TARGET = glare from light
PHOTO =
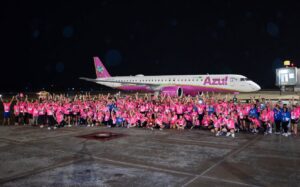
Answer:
(286, 62)
(283, 71)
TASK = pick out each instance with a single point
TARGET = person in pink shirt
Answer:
(83, 116)
(29, 112)
(35, 115)
(173, 120)
(188, 118)
(17, 113)
(50, 117)
(219, 123)
(59, 116)
(180, 123)
(89, 120)
(242, 117)
(42, 115)
(159, 122)
(295, 114)
(254, 124)
(266, 122)
(67, 113)
(230, 122)
(195, 119)
(179, 109)
(22, 107)
(207, 123)
(6, 113)
(114, 119)
(151, 121)
(166, 118)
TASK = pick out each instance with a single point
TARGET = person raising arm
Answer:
(6, 106)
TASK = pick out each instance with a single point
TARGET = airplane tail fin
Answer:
(101, 71)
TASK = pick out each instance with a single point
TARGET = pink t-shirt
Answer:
(230, 123)
(35, 112)
(16, 110)
(59, 116)
(6, 107)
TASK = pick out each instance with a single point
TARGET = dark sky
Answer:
(46, 43)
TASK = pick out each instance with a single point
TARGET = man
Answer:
(6, 106)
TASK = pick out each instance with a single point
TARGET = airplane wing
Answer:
(153, 86)
(88, 79)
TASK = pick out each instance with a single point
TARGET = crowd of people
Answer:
(222, 115)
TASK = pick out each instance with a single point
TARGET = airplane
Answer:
(174, 85)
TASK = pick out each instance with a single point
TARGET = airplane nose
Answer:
(256, 86)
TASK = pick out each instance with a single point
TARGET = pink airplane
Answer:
(174, 84)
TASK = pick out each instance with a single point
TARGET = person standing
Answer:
(286, 117)
(6, 106)
(277, 117)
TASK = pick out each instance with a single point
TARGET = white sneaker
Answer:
(41, 126)
(289, 133)
(88, 125)
(69, 125)
(228, 134)
(232, 135)
(49, 128)
(54, 128)
(284, 134)
(218, 133)
(270, 132)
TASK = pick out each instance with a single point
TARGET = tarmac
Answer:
(31, 156)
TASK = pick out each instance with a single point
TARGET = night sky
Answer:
(50, 44)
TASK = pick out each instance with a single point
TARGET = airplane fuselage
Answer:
(174, 84)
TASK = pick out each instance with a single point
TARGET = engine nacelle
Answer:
(172, 91)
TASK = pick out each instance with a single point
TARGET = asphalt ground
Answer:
(31, 156)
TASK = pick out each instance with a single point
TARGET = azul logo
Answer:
(99, 69)
(215, 81)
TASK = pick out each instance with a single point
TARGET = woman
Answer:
(6, 106)
(286, 117)
(295, 113)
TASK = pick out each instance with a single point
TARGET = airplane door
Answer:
(232, 82)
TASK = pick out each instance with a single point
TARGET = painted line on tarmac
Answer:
(228, 181)
(222, 160)
(130, 164)
(204, 142)
(37, 171)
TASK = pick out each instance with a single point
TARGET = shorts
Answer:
(6, 114)
(294, 121)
